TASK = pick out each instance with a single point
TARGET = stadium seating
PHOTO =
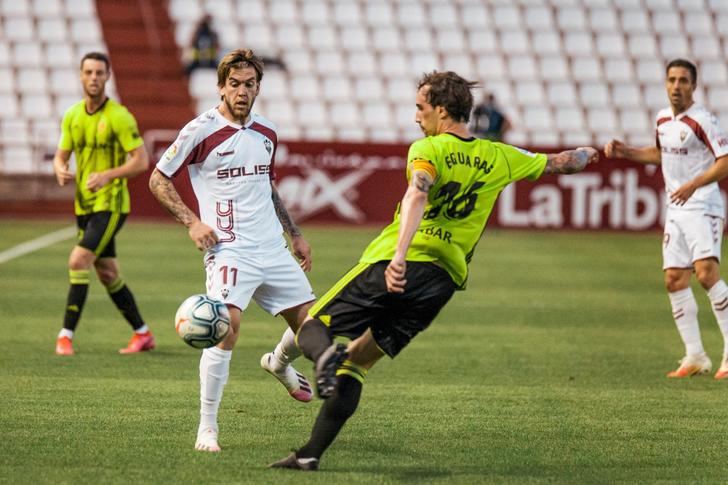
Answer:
(565, 71)
(563, 62)
(41, 42)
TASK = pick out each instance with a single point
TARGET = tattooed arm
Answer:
(201, 234)
(301, 248)
(571, 161)
(411, 211)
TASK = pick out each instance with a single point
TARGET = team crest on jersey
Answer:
(268, 146)
(171, 152)
(683, 135)
(101, 126)
(225, 292)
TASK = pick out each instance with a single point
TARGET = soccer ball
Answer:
(202, 322)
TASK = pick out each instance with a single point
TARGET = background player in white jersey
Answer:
(693, 152)
(230, 153)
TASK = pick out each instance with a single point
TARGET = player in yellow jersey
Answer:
(108, 150)
(408, 273)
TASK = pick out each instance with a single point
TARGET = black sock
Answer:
(124, 301)
(332, 416)
(77, 293)
(313, 338)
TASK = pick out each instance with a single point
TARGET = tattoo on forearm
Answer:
(289, 226)
(167, 195)
(421, 181)
(570, 161)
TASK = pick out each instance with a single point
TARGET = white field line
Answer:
(38, 243)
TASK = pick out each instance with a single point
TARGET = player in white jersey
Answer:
(692, 149)
(229, 153)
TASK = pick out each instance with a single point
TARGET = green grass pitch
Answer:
(550, 368)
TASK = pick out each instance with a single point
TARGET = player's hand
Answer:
(302, 251)
(394, 275)
(592, 154)
(63, 175)
(202, 235)
(614, 149)
(683, 193)
(96, 180)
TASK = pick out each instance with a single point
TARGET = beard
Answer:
(239, 114)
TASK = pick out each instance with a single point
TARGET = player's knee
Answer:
(78, 261)
(676, 280)
(707, 276)
(107, 277)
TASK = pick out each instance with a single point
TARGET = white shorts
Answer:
(270, 276)
(690, 236)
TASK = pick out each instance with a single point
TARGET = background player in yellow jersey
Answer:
(105, 139)
(410, 271)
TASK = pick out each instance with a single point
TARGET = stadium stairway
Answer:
(146, 62)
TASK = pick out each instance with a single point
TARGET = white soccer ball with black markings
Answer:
(202, 322)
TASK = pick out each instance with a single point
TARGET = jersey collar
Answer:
(232, 123)
(472, 138)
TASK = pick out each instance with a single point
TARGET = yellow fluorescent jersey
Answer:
(100, 141)
(468, 176)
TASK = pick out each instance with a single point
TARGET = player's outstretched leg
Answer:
(278, 364)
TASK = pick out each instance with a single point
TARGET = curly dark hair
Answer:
(452, 92)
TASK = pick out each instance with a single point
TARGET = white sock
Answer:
(718, 295)
(685, 313)
(286, 351)
(65, 333)
(142, 330)
(214, 371)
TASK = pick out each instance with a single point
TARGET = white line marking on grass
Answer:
(38, 243)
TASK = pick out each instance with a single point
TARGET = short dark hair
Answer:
(452, 92)
(97, 56)
(686, 64)
(238, 59)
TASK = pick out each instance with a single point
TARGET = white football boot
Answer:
(295, 383)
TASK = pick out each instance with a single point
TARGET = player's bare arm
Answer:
(136, 163)
(60, 167)
(299, 245)
(163, 189)
(618, 149)
(412, 209)
(717, 172)
(571, 161)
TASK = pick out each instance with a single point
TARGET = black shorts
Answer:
(360, 300)
(96, 232)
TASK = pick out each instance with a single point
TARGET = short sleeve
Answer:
(522, 163)
(717, 137)
(422, 152)
(176, 154)
(65, 142)
(127, 132)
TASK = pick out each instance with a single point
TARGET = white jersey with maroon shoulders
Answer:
(231, 170)
(689, 143)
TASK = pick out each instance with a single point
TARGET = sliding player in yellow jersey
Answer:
(408, 273)
(105, 139)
